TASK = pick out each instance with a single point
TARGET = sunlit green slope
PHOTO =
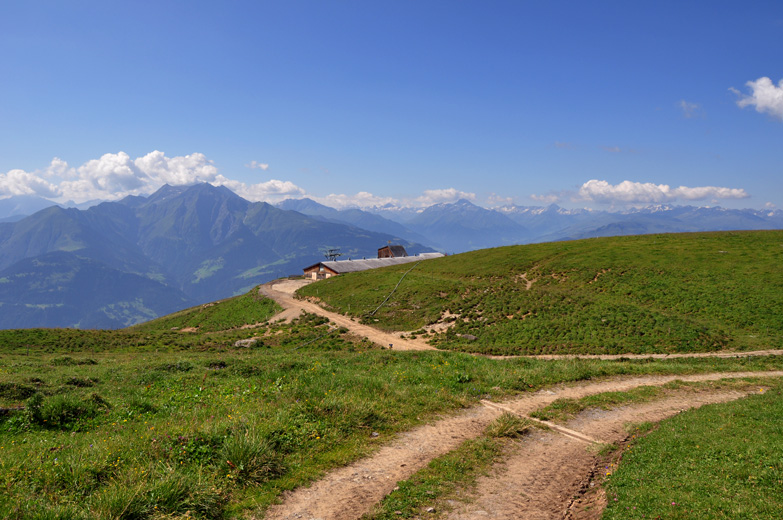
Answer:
(231, 313)
(214, 325)
(652, 293)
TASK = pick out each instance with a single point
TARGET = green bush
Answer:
(16, 391)
(63, 411)
(179, 366)
(69, 361)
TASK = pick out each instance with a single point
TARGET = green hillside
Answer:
(177, 419)
(231, 313)
(637, 294)
(211, 326)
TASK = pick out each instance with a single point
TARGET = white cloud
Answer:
(177, 170)
(255, 165)
(546, 199)
(57, 168)
(112, 173)
(707, 192)
(690, 110)
(272, 190)
(431, 197)
(766, 97)
(611, 149)
(494, 200)
(365, 199)
(20, 182)
(628, 192)
(362, 199)
(116, 175)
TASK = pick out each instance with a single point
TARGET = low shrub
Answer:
(69, 361)
(179, 366)
(63, 411)
(16, 391)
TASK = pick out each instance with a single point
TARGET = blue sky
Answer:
(587, 104)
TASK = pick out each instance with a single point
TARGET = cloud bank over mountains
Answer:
(649, 193)
(116, 175)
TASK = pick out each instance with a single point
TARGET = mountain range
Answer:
(119, 263)
(463, 226)
(114, 264)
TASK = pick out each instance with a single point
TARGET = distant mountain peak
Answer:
(304, 205)
(168, 192)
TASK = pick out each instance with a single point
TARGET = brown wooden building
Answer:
(392, 252)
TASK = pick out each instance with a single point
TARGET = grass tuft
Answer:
(508, 425)
(250, 458)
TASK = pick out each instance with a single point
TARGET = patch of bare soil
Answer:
(252, 325)
(351, 491)
(547, 469)
(446, 321)
(528, 282)
(721, 354)
(282, 292)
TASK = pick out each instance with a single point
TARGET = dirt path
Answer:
(350, 491)
(720, 354)
(282, 291)
(546, 470)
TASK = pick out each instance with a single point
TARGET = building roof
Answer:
(396, 250)
(352, 266)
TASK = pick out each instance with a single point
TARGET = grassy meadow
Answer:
(216, 433)
(196, 415)
(209, 326)
(201, 428)
(691, 292)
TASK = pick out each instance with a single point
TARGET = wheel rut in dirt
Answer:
(545, 470)
(351, 491)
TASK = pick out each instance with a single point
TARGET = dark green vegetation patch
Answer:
(642, 294)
